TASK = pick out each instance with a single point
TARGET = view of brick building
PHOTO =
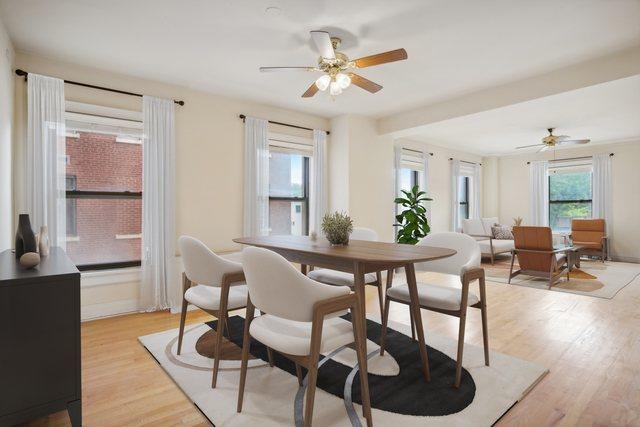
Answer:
(103, 228)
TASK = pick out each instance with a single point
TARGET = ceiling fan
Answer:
(552, 140)
(336, 66)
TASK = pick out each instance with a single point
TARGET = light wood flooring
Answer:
(590, 345)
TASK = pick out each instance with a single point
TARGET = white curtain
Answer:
(158, 203)
(318, 202)
(256, 177)
(397, 164)
(539, 193)
(424, 183)
(455, 194)
(45, 157)
(602, 189)
(475, 210)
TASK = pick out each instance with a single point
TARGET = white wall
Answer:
(209, 155)
(625, 239)
(6, 130)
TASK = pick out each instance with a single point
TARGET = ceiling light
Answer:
(323, 82)
(343, 80)
(335, 89)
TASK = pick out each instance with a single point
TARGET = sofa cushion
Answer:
(498, 246)
(473, 227)
(502, 232)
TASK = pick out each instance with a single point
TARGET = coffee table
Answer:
(573, 256)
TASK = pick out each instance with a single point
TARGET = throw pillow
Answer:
(502, 232)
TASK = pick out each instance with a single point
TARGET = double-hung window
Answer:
(104, 186)
(463, 198)
(289, 159)
(570, 193)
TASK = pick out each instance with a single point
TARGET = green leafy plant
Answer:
(412, 221)
(337, 227)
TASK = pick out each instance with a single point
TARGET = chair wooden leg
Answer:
(463, 321)
(361, 350)
(385, 320)
(513, 258)
(183, 318)
(246, 343)
(299, 374)
(270, 356)
(312, 369)
(218, 351)
(380, 292)
(485, 326)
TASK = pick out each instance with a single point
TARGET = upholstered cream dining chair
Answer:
(301, 321)
(213, 284)
(340, 278)
(453, 301)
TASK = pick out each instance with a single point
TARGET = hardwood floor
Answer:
(590, 345)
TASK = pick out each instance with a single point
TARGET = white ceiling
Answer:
(455, 46)
(604, 113)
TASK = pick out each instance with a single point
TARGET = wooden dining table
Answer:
(358, 257)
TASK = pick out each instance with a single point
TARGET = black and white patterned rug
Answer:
(398, 391)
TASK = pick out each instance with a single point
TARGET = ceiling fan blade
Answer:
(574, 141)
(365, 84)
(545, 148)
(271, 69)
(322, 40)
(562, 137)
(313, 89)
(529, 146)
(381, 58)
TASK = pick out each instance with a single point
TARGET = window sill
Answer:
(90, 279)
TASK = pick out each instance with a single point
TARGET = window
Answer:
(569, 196)
(408, 179)
(288, 193)
(104, 188)
(463, 204)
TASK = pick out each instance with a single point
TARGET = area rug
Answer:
(593, 278)
(399, 394)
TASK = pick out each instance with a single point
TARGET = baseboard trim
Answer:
(109, 309)
(626, 259)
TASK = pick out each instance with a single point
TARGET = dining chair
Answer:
(213, 284)
(300, 320)
(341, 278)
(452, 301)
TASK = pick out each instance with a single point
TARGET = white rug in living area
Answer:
(607, 279)
(273, 398)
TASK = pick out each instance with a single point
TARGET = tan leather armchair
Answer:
(536, 254)
(591, 235)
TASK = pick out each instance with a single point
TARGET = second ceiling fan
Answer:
(336, 66)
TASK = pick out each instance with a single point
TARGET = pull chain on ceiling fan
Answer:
(336, 66)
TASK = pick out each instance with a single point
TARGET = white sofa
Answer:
(480, 229)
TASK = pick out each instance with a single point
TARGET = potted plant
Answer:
(337, 227)
(412, 221)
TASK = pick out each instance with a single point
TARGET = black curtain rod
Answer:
(464, 161)
(415, 151)
(572, 158)
(24, 74)
(243, 117)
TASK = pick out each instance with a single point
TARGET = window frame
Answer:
(466, 201)
(305, 191)
(119, 119)
(551, 202)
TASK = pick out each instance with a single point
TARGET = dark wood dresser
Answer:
(39, 339)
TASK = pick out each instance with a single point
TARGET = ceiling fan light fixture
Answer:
(335, 89)
(323, 82)
(343, 80)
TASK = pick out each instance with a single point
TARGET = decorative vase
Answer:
(25, 239)
(44, 244)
